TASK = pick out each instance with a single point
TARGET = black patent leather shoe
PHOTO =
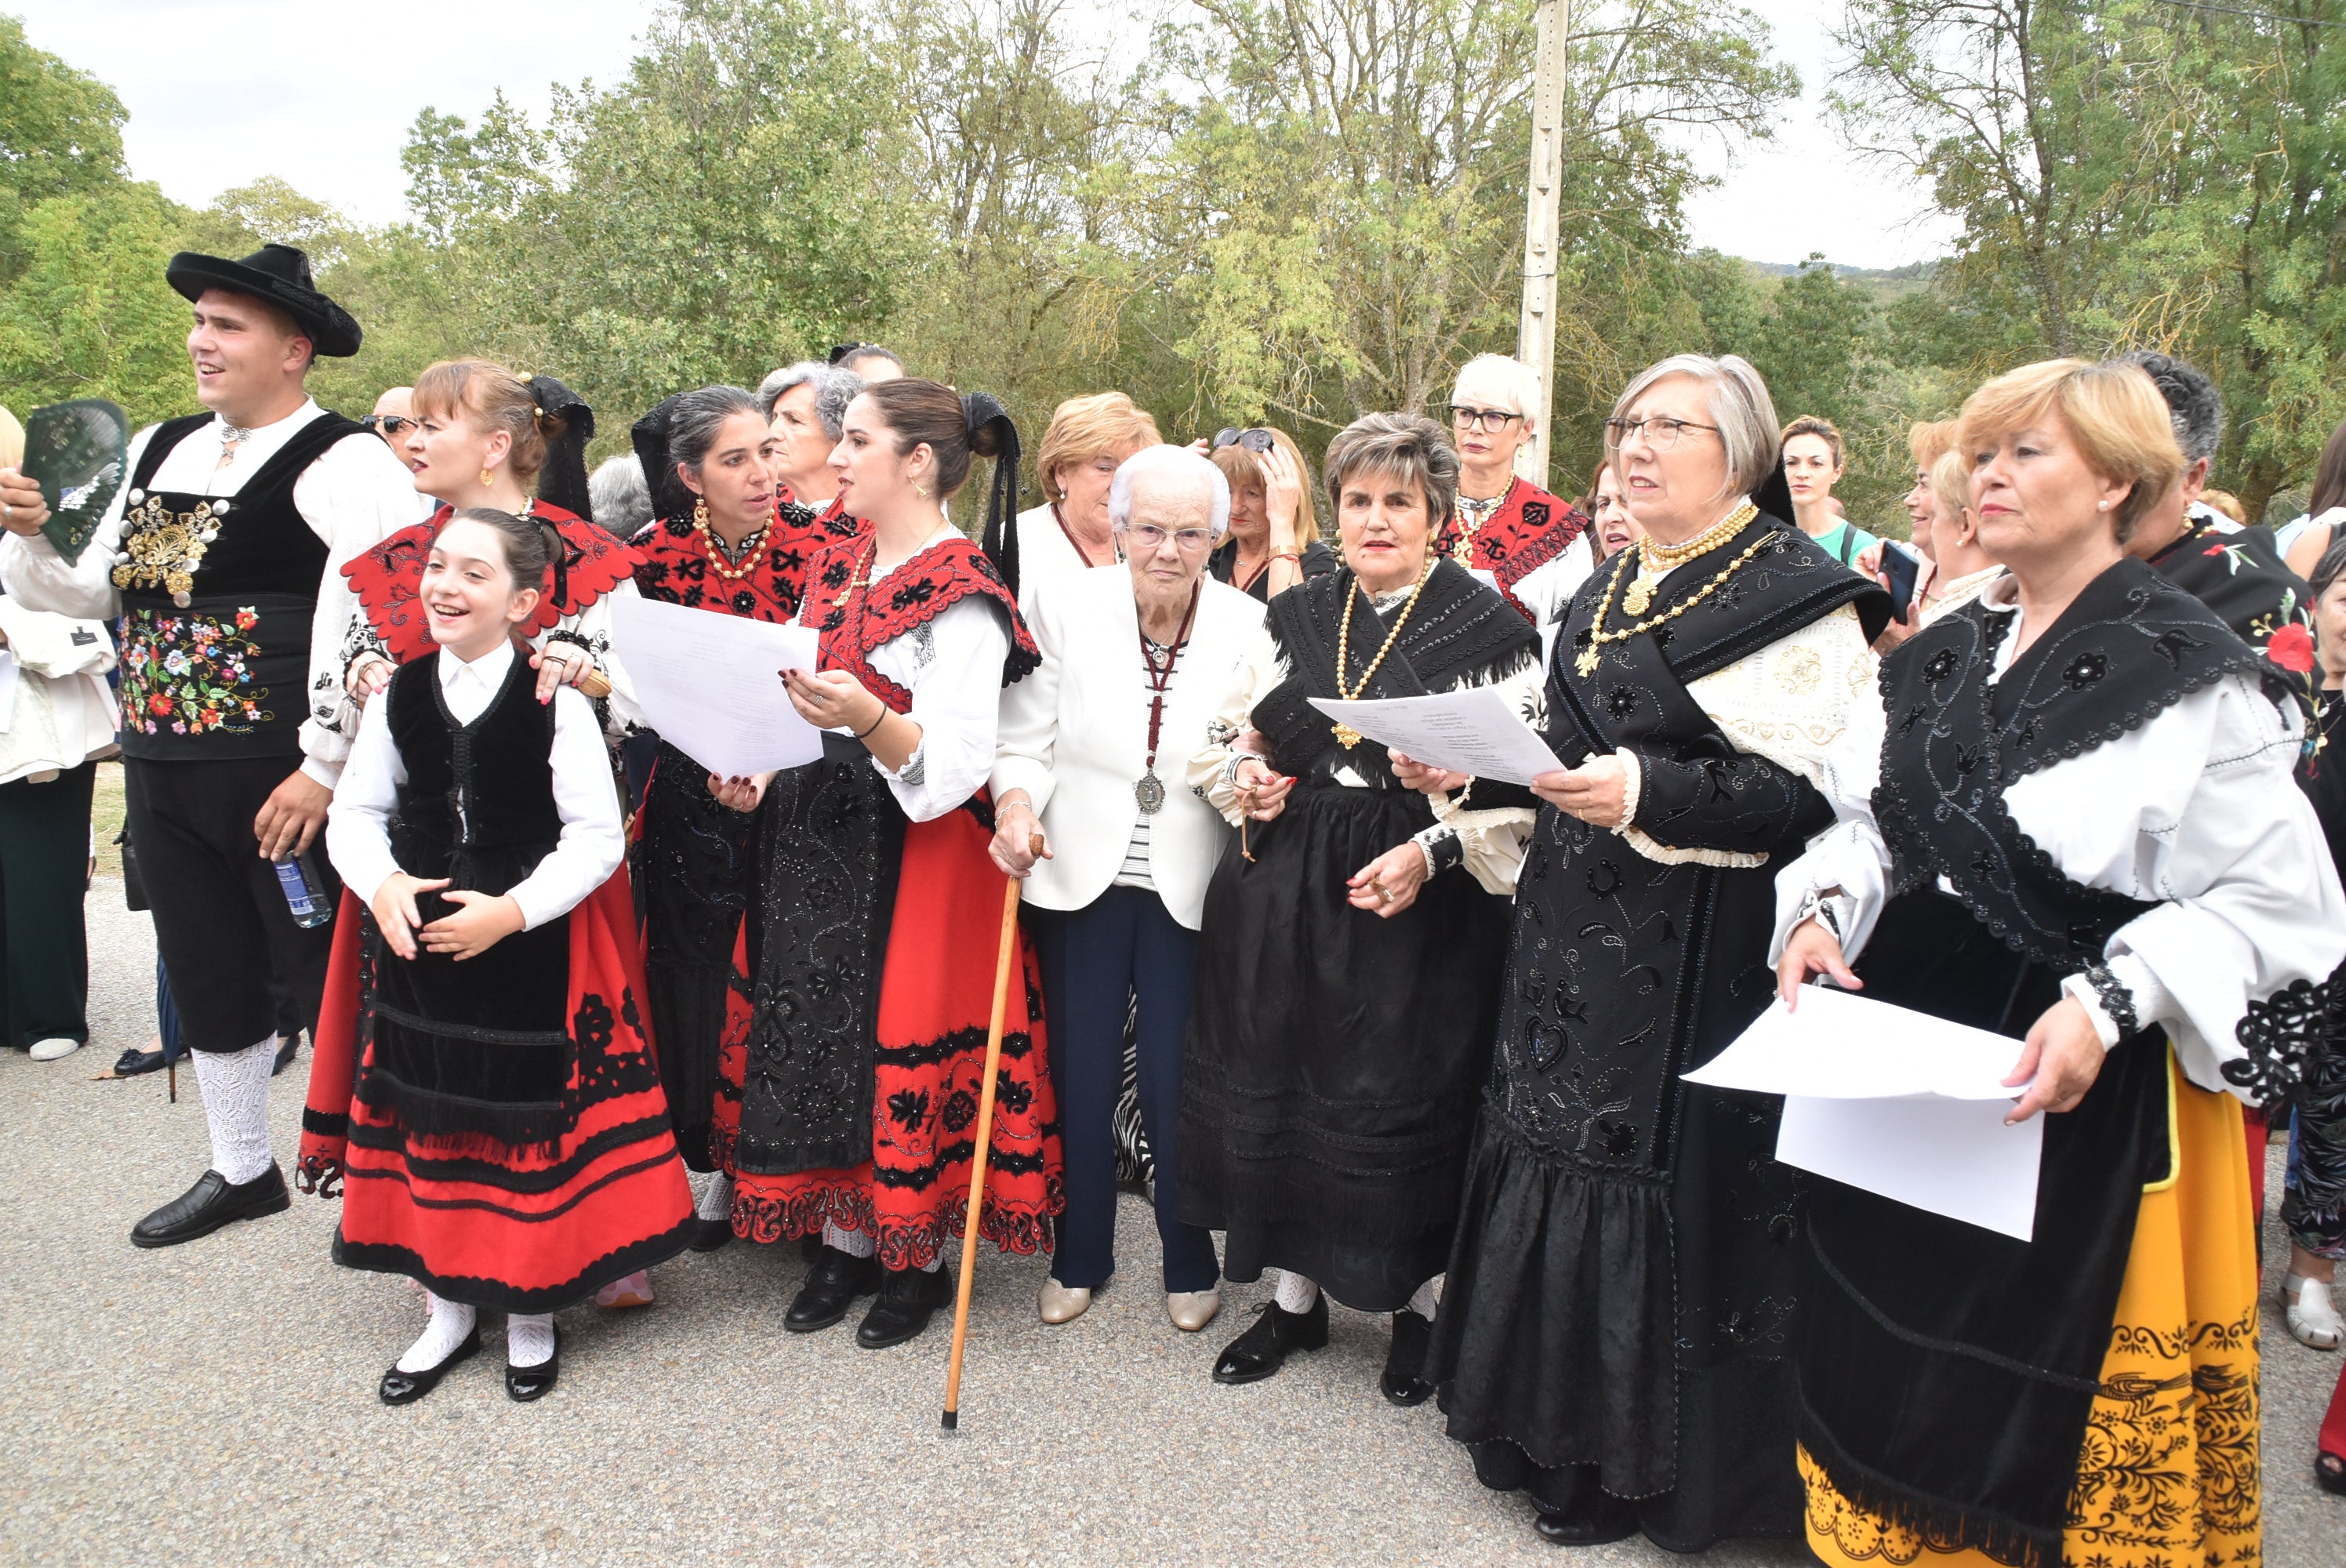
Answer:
(1402, 1382)
(908, 1299)
(528, 1383)
(708, 1234)
(135, 1063)
(1262, 1350)
(830, 1289)
(210, 1204)
(1596, 1518)
(400, 1387)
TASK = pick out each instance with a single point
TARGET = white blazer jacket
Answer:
(1075, 737)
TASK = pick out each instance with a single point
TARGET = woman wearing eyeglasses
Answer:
(1349, 950)
(1274, 539)
(1093, 749)
(1504, 525)
(1088, 437)
(1616, 1328)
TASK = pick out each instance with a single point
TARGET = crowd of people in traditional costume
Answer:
(1393, 1039)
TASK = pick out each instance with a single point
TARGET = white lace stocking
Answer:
(1294, 1292)
(451, 1321)
(853, 1243)
(529, 1339)
(1428, 1298)
(716, 1198)
(235, 1086)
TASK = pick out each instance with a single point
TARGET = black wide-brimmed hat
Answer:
(277, 275)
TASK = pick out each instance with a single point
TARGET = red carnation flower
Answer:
(2291, 648)
(159, 705)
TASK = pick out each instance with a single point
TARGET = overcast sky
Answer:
(321, 96)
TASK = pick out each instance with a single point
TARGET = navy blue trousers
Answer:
(1096, 962)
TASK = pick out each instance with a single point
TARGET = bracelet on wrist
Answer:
(876, 723)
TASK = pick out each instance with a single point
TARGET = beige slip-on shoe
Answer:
(1059, 1304)
(1192, 1309)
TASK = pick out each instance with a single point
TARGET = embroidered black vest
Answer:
(1457, 628)
(2131, 646)
(217, 596)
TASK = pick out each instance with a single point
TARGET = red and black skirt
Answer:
(526, 1191)
(853, 1100)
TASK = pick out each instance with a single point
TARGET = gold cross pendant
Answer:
(1346, 735)
(1587, 662)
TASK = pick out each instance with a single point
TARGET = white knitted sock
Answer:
(1294, 1293)
(716, 1198)
(451, 1321)
(235, 1086)
(1428, 1298)
(853, 1243)
(529, 1339)
(933, 1264)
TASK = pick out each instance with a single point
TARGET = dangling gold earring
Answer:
(700, 513)
(488, 479)
(920, 491)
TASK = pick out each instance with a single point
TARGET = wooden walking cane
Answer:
(985, 1139)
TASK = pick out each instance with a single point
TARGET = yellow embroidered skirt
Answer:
(2167, 1475)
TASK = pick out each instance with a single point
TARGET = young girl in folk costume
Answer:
(487, 436)
(722, 540)
(858, 1086)
(507, 1145)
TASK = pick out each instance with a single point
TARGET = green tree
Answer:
(60, 134)
(88, 315)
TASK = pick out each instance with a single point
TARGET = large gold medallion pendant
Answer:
(1346, 735)
(1639, 596)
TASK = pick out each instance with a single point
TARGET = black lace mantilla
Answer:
(2129, 647)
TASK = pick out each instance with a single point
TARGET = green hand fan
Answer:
(74, 452)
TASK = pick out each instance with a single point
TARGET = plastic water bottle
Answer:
(305, 894)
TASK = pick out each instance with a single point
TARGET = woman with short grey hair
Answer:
(1348, 966)
(1088, 765)
(805, 404)
(1615, 1325)
(623, 501)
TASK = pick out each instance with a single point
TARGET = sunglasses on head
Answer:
(387, 424)
(1246, 439)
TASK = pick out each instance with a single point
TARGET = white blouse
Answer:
(354, 497)
(2197, 808)
(358, 824)
(953, 666)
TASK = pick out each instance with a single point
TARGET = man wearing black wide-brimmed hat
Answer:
(223, 555)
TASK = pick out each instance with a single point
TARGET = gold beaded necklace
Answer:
(1586, 663)
(1653, 557)
(1346, 735)
(715, 551)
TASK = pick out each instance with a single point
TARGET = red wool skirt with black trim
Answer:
(840, 1061)
(514, 1227)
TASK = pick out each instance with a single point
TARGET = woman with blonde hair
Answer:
(1959, 567)
(1088, 439)
(1274, 540)
(2071, 820)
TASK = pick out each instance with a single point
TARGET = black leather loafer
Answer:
(1597, 1518)
(1262, 1350)
(133, 1062)
(528, 1383)
(400, 1387)
(708, 1234)
(908, 1299)
(830, 1289)
(210, 1204)
(1402, 1383)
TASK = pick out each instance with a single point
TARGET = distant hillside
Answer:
(1883, 284)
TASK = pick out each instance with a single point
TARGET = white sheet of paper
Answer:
(1954, 1157)
(1895, 1101)
(7, 689)
(1843, 1045)
(709, 683)
(1475, 731)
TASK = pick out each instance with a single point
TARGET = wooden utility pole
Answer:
(1535, 342)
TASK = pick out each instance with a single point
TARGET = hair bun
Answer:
(987, 420)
